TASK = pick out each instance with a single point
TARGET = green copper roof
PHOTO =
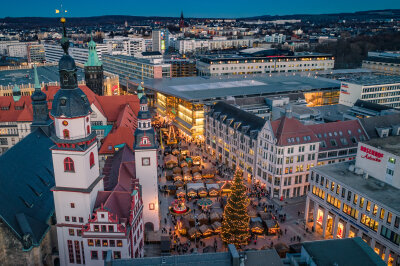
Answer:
(16, 93)
(140, 91)
(37, 84)
(93, 59)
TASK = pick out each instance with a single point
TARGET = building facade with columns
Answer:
(360, 198)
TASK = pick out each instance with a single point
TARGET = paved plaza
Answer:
(293, 229)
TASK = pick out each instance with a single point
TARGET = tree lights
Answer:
(235, 226)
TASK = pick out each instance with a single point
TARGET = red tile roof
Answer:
(290, 131)
(112, 105)
(13, 114)
(337, 135)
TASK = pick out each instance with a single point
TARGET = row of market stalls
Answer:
(202, 190)
(264, 223)
(187, 174)
(207, 225)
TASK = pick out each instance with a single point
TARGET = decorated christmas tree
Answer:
(235, 226)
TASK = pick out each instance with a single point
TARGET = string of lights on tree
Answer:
(235, 226)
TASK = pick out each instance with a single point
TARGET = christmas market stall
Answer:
(202, 192)
(169, 174)
(205, 230)
(216, 226)
(256, 225)
(178, 183)
(195, 169)
(180, 193)
(272, 227)
(187, 176)
(213, 189)
(177, 170)
(197, 176)
(202, 218)
(193, 232)
(175, 152)
(171, 161)
(193, 189)
(182, 226)
(196, 160)
(185, 150)
(208, 173)
(226, 188)
(177, 177)
(183, 164)
(185, 170)
(189, 161)
(215, 217)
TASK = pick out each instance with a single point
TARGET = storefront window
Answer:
(340, 230)
(361, 203)
(320, 216)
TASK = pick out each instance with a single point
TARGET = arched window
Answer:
(66, 133)
(91, 159)
(88, 129)
(69, 165)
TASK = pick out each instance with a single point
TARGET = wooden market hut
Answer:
(193, 232)
(189, 161)
(203, 218)
(272, 226)
(175, 152)
(190, 219)
(197, 176)
(183, 226)
(178, 183)
(196, 160)
(208, 173)
(193, 189)
(177, 177)
(213, 189)
(185, 150)
(183, 164)
(256, 225)
(216, 226)
(202, 192)
(195, 169)
(177, 170)
(180, 193)
(187, 176)
(169, 174)
(215, 217)
(185, 169)
(205, 230)
(170, 161)
(226, 188)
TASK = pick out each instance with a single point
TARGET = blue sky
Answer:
(191, 8)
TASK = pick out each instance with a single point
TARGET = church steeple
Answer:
(140, 91)
(144, 133)
(181, 22)
(40, 109)
(94, 70)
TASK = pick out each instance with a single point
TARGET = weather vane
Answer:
(64, 39)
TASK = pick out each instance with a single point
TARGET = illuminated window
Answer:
(151, 206)
(69, 165)
(375, 211)
(368, 206)
(119, 243)
(105, 243)
(90, 242)
(66, 133)
(361, 203)
(382, 214)
(392, 160)
(117, 254)
(91, 159)
(96, 228)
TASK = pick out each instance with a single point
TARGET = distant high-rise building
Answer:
(160, 40)
(94, 70)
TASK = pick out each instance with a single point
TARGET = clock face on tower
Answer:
(146, 161)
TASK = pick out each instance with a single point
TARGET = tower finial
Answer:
(64, 39)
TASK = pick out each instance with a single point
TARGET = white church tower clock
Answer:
(146, 166)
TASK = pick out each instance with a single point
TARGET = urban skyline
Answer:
(220, 9)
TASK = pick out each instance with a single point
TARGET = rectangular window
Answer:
(74, 219)
(98, 243)
(371, 223)
(77, 252)
(67, 218)
(70, 252)
(104, 228)
(355, 199)
(81, 219)
(361, 202)
(382, 214)
(392, 160)
(90, 242)
(71, 232)
(119, 243)
(368, 206)
(96, 228)
(117, 254)
(112, 243)
(375, 210)
(72, 205)
(110, 228)
(94, 255)
(78, 232)
(389, 218)
(337, 189)
(105, 243)
(352, 212)
(396, 222)
(390, 235)
(332, 186)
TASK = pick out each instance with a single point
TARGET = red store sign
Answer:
(371, 154)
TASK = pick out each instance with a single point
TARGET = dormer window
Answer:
(63, 102)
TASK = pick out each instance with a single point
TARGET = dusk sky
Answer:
(205, 8)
